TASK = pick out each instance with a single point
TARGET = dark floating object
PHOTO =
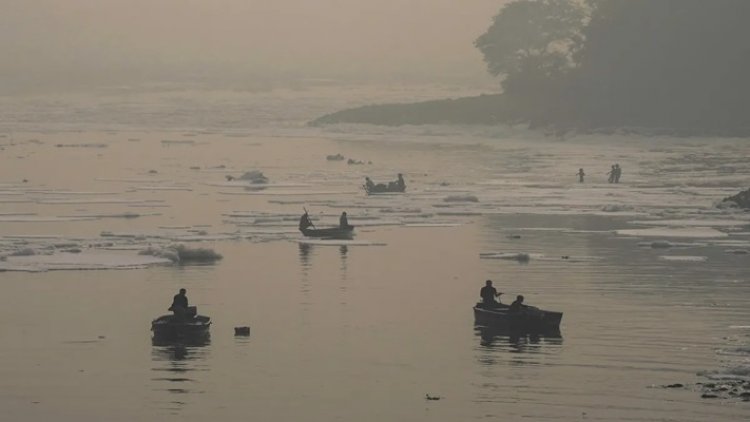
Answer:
(429, 397)
(677, 385)
(530, 319)
(741, 200)
(242, 331)
(190, 326)
(709, 396)
(337, 157)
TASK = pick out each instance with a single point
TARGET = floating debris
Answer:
(241, 331)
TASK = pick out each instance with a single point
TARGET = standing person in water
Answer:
(618, 173)
(488, 295)
(580, 175)
(343, 221)
(612, 174)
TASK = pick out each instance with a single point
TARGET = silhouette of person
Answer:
(618, 173)
(400, 183)
(612, 174)
(369, 184)
(517, 305)
(343, 221)
(580, 175)
(488, 295)
(180, 304)
(304, 221)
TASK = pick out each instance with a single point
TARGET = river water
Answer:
(652, 278)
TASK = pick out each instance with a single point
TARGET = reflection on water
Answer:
(516, 341)
(502, 346)
(304, 254)
(177, 366)
(343, 250)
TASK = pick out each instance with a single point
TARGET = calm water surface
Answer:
(363, 331)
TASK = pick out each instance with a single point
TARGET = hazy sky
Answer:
(54, 41)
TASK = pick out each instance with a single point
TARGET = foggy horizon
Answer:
(82, 43)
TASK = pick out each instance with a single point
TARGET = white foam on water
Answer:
(272, 192)
(86, 260)
(683, 258)
(695, 232)
(84, 145)
(177, 142)
(175, 188)
(69, 192)
(246, 184)
(127, 180)
(125, 214)
(100, 201)
(337, 242)
(511, 256)
(662, 244)
(40, 219)
(693, 223)
(432, 225)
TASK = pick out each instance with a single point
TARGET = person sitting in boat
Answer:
(400, 183)
(369, 184)
(343, 221)
(517, 305)
(304, 221)
(488, 295)
(180, 304)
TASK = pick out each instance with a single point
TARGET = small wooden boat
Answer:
(330, 233)
(381, 188)
(170, 326)
(528, 319)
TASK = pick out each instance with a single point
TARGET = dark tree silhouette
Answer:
(679, 64)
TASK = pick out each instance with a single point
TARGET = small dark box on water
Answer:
(241, 331)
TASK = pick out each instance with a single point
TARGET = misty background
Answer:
(52, 45)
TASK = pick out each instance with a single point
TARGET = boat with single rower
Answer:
(191, 325)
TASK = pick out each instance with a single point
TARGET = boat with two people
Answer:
(343, 231)
(397, 186)
(183, 323)
(514, 317)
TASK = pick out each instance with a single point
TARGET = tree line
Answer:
(680, 64)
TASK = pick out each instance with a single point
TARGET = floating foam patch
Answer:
(336, 242)
(695, 232)
(511, 256)
(85, 260)
(40, 219)
(279, 192)
(683, 258)
(692, 223)
(181, 254)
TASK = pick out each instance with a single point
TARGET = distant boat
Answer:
(329, 233)
(169, 326)
(381, 188)
(529, 319)
(399, 186)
